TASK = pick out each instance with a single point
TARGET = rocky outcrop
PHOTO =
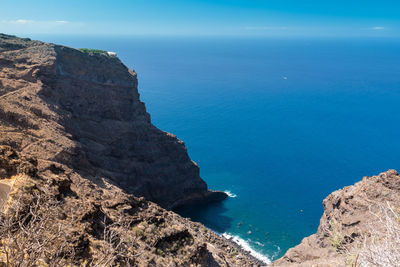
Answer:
(77, 149)
(84, 111)
(349, 216)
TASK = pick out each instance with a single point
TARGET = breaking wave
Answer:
(246, 246)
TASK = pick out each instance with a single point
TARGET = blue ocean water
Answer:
(279, 124)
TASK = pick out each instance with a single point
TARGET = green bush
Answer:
(92, 51)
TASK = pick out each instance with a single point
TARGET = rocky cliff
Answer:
(84, 111)
(359, 225)
(76, 150)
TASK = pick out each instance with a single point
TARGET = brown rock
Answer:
(346, 220)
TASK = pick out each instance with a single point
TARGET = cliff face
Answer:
(353, 217)
(84, 112)
(76, 150)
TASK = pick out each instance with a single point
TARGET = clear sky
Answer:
(342, 18)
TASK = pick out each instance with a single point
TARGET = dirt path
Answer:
(4, 191)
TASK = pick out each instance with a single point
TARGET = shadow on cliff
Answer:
(211, 215)
(106, 132)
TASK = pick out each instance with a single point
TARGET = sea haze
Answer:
(279, 124)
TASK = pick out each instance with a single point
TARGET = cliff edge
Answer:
(359, 226)
(79, 162)
(84, 111)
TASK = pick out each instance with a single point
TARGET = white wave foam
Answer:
(230, 194)
(259, 243)
(276, 253)
(246, 246)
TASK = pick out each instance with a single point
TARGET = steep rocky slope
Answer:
(84, 112)
(351, 215)
(76, 149)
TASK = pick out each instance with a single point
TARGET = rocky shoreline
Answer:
(259, 260)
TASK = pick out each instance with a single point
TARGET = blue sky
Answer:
(194, 17)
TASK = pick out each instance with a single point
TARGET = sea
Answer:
(277, 123)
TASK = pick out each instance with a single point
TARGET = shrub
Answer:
(31, 234)
(93, 51)
(336, 237)
(382, 247)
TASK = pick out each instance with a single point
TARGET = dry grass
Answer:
(32, 234)
(336, 237)
(382, 247)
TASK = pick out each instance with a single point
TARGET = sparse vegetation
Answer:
(138, 232)
(93, 51)
(118, 247)
(382, 247)
(22, 233)
(336, 237)
(32, 234)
